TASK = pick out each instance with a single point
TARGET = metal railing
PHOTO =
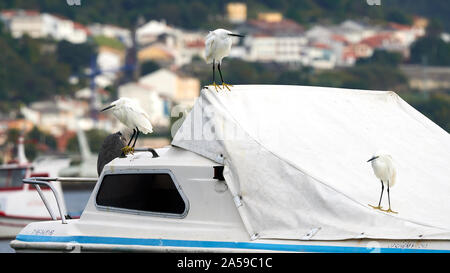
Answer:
(151, 150)
(37, 182)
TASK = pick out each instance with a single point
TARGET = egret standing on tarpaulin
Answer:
(133, 116)
(383, 167)
(217, 46)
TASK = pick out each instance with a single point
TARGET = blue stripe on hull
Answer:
(216, 244)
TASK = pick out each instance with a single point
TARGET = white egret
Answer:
(128, 112)
(383, 168)
(217, 46)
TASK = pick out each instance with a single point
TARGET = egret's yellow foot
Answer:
(127, 150)
(378, 207)
(215, 86)
(227, 86)
(390, 211)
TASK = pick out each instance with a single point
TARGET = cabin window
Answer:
(146, 192)
(12, 178)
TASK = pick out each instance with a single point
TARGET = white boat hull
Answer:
(209, 223)
(44, 243)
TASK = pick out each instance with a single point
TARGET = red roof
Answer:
(339, 38)
(377, 40)
(321, 45)
(10, 12)
(400, 26)
(195, 44)
(285, 25)
(82, 27)
(60, 17)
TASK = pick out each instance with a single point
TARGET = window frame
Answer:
(142, 212)
(9, 171)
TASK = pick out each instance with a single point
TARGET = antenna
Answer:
(83, 143)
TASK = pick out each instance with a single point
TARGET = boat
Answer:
(268, 169)
(86, 167)
(20, 204)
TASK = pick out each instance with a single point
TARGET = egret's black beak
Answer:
(107, 108)
(373, 158)
(236, 35)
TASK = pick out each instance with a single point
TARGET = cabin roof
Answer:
(168, 156)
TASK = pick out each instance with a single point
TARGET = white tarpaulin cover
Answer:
(297, 156)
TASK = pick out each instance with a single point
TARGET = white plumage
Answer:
(384, 169)
(130, 113)
(217, 46)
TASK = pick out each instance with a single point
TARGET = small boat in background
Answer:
(21, 204)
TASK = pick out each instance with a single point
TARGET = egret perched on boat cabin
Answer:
(217, 46)
(130, 113)
(383, 168)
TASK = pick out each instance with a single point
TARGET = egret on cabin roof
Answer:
(129, 113)
(217, 46)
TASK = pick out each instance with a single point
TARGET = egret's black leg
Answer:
(381, 197)
(214, 76)
(214, 71)
(127, 149)
(389, 199)
(137, 135)
(220, 73)
(129, 142)
(221, 77)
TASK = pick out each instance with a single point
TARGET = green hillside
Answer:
(205, 13)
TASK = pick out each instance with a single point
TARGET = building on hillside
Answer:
(109, 60)
(150, 31)
(354, 31)
(43, 25)
(113, 32)
(174, 87)
(319, 56)
(236, 12)
(267, 48)
(56, 116)
(271, 26)
(21, 22)
(157, 52)
(188, 45)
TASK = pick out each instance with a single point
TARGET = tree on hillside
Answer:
(430, 51)
(77, 56)
(436, 108)
(148, 67)
(382, 57)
